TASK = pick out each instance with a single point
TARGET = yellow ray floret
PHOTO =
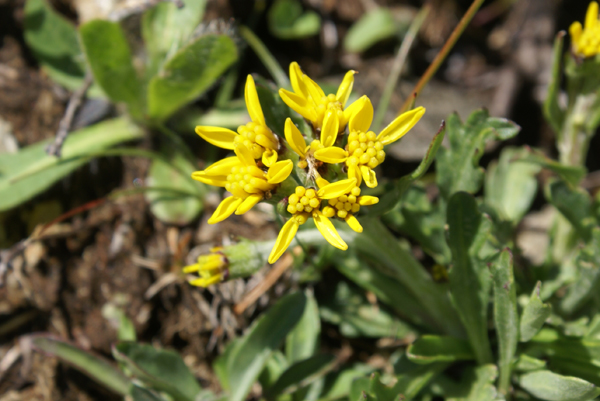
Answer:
(364, 150)
(212, 269)
(309, 100)
(256, 136)
(585, 39)
(305, 203)
(247, 182)
(346, 206)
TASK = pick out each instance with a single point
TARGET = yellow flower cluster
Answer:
(339, 148)
(585, 40)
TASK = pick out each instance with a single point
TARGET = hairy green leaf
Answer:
(534, 315)
(550, 386)
(31, 170)
(430, 349)
(288, 21)
(469, 277)
(189, 73)
(373, 26)
(160, 369)
(109, 57)
(303, 340)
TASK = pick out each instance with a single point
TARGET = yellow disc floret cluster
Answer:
(336, 153)
(303, 200)
(364, 149)
(343, 205)
(256, 137)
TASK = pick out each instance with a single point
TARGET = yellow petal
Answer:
(249, 203)
(298, 103)
(331, 155)
(225, 209)
(244, 154)
(400, 126)
(575, 31)
(252, 102)
(328, 231)
(369, 176)
(367, 200)
(221, 137)
(330, 128)
(314, 90)
(336, 189)
(279, 171)
(363, 117)
(345, 88)
(223, 166)
(269, 157)
(210, 179)
(354, 172)
(591, 16)
(297, 80)
(205, 282)
(284, 239)
(353, 223)
(321, 182)
(352, 110)
(294, 138)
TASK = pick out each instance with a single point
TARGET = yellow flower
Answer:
(365, 151)
(304, 203)
(256, 136)
(586, 40)
(329, 133)
(309, 100)
(247, 183)
(347, 205)
(212, 268)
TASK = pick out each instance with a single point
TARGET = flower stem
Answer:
(279, 76)
(441, 56)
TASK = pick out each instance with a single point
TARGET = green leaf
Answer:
(300, 374)
(573, 203)
(54, 42)
(288, 21)
(553, 113)
(109, 57)
(477, 385)
(143, 394)
(458, 166)
(93, 366)
(275, 366)
(394, 193)
(505, 315)
(510, 185)
(571, 174)
(347, 307)
(469, 277)
(534, 315)
(174, 207)
(373, 26)
(550, 386)
(189, 73)
(303, 340)
(338, 385)
(423, 221)
(379, 245)
(166, 28)
(250, 355)
(31, 170)
(587, 282)
(160, 369)
(527, 363)
(430, 349)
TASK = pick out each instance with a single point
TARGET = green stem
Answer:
(441, 56)
(279, 76)
(399, 62)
